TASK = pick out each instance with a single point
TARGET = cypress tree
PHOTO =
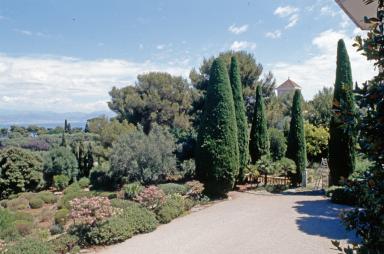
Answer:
(259, 143)
(217, 155)
(342, 127)
(296, 149)
(241, 118)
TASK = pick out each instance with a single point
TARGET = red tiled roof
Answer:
(289, 84)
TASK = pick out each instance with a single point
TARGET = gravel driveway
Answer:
(248, 223)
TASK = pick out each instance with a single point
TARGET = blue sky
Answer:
(66, 55)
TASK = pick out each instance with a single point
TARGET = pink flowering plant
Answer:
(89, 210)
(151, 197)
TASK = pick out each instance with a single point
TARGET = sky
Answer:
(65, 56)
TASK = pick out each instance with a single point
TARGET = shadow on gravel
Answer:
(321, 218)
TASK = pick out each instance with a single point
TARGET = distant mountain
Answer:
(47, 118)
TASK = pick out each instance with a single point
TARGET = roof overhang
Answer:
(357, 10)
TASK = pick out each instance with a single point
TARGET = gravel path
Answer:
(248, 223)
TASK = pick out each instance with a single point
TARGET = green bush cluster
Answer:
(18, 204)
(343, 196)
(60, 182)
(172, 208)
(73, 191)
(173, 188)
(65, 244)
(61, 216)
(30, 246)
(47, 197)
(84, 182)
(36, 203)
(131, 190)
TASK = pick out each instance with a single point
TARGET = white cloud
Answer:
(318, 71)
(238, 29)
(285, 11)
(328, 11)
(160, 46)
(289, 12)
(65, 84)
(273, 35)
(30, 33)
(242, 45)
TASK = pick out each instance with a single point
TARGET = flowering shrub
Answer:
(89, 210)
(151, 197)
(195, 189)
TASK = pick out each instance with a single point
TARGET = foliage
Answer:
(187, 169)
(6, 222)
(195, 189)
(121, 203)
(259, 140)
(363, 164)
(173, 188)
(286, 166)
(217, 159)
(24, 227)
(36, 203)
(241, 118)
(64, 244)
(343, 196)
(320, 108)
(61, 216)
(56, 229)
(84, 182)
(144, 158)
(367, 219)
(156, 98)
(60, 182)
(18, 204)
(89, 210)
(342, 131)
(296, 149)
(278, 188)
(60, 161)
(316, 141)
(278, 146)
(100, 179)
(151, 197)
(172, 207)
(47, 197)
(84, 156)
(142, 220)
(30, 245)
(131, 190)
(20, 171)
(69, 195)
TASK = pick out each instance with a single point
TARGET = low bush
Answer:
(56, 229)
(36, 203)
(23, 216)
(101, 180)
(121, 203)
(24, 227)
(84, 182)
(64, 201)
(89, 210)
(46, 215)
(74, 187)
(47, 197)
(6, 221)
(65, 244)
(61, 216)
(276, 188)
(173, 188)
(18, 204)
(194, 189)
(131, 190)
(173, 207)
(60, 182)
(106, 194)
(141, 219)
(151, 197)
(30, 245)
(343, 196)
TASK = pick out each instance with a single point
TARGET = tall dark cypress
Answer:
(296, 149)
(343, 123)
(241, 118)
(217, 155)
(259, 143)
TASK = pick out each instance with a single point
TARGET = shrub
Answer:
(73, 188)
(30, 246)
(106, 194)
(131, 190)
(47, 197)
(151, 197)
(343, 196)
(278, 143)
(60, 182)
(101, 180)
(89, 210)
(36, 203)
(276, 188)
(65, 244)
(194, 189)
(173, 207)
(6, 221)
(60, 161)
(3, 203)
(46, 215)
(61, 216)
(20, 171)
(141, 219)
(18, 204)
(24, 227)
(173, 188)
(316, 139)
(121, 203)
(64, 201)
(23, 216)
(144, 158)
(84, 182)
(56, 229)
(187, 169)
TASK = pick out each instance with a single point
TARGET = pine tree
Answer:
(63, 140)
(342, 129)
(241, 118)
(217, 155)
(296, 149)
(259, 143)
